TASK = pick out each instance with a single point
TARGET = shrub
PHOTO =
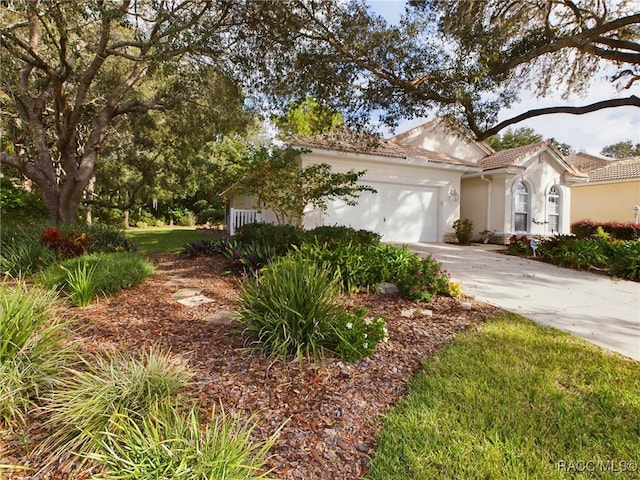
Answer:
(464, 230)
(187, 220)
(207, 248)
(618, 230)
(290, 308)
(518, 245)
(624, 259)
(248, 258)
(112, 391)
(279, 237)
(82, 288)
(67, 245)
(357, 334)
(421, 279)
(112, 272)
(31, 351)
(571, 252)
(341, 234)
(169, 444)
(211, 216)
(356, 266)
(24, 257)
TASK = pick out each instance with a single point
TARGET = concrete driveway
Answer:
(595, 307)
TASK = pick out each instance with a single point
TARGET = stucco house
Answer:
(433, 174)
(612, 192)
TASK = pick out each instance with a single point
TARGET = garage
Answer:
(400, 213)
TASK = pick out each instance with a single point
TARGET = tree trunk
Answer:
(89, 196)
(125, 219)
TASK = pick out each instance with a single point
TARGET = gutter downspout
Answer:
(482, 177)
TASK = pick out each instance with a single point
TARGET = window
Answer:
(553, 209)
(521, 208)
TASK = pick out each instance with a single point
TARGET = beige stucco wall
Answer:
(438, 139)
(605, 202)
(416, 172)
(539, 173)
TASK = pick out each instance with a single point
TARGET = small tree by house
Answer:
(275, 178)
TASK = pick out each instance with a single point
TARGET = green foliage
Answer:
(280, 237)
(624, 259)
(207, 248)
(112, 272)
(356, 266)
(80, 284)
(518, 245)
(24, 256)
(307, 118)
(357, 334)
(17, 204)
(624, 149)
(111, 392)
(169, 444)
(31, 349)
(617, 230)
(279, 184)
(290, 308)
(341, 234)
(522, 398)
(514, 138)
(248, 258)
(567, 251)
(421, 279)
(464, 230)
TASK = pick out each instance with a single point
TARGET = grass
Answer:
(163, 240)
(514, 400)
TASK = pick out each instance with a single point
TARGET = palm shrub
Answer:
(290, 308)
(31, 349)
(170, 444)
(106, 394)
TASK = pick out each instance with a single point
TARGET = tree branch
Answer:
(615, 102)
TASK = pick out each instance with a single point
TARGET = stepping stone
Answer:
(386, 288)
(224, 317)
(407, 313)
(187, 292)
(175, 282)
(195, 301)
(426, 312)
(166, 265)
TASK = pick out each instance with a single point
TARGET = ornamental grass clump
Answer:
(31, 349)
(290, 308)
(109, 393)
(171, 444)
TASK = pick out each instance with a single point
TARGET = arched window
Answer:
(553, 209)
(521, 208)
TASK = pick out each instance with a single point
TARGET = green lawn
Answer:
(513, 400)
(163, 240)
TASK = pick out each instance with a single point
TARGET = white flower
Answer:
(365, 335)
(349, 325)
(368, 320)
(365, 345)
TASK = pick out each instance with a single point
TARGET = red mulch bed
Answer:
(331, 411)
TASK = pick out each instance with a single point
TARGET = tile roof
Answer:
(617, 170)
(354, 142)
(585, 162)
(511, 156)
(505, 158)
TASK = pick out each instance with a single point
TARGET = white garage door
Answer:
(400, 213)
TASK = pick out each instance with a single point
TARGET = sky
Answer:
(588, 133)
